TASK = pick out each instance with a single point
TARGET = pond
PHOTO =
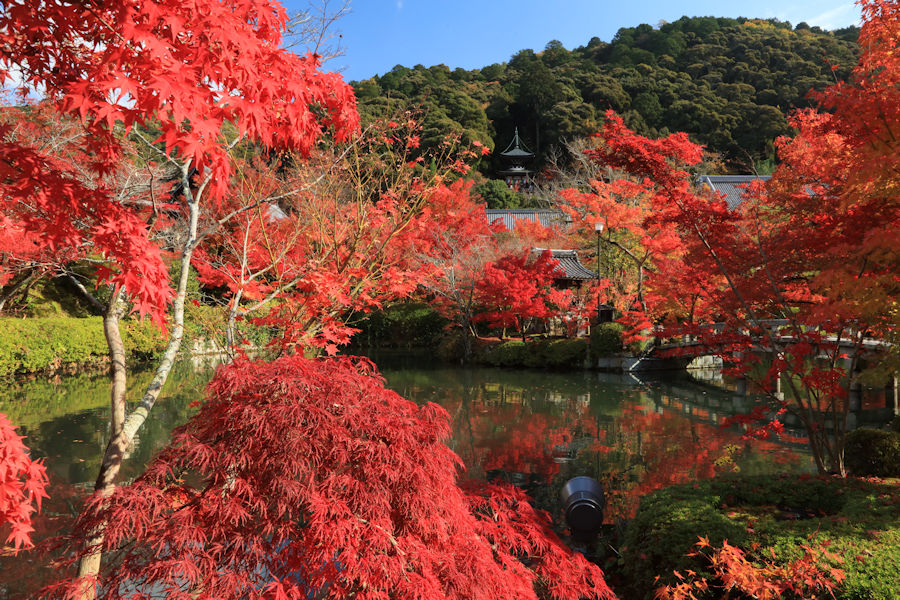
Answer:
(534, 429)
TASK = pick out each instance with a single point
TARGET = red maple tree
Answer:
(519, 287)
(202, 77)
(330, 238)
(805, 269)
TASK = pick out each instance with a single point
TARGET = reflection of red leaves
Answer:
(673, 450)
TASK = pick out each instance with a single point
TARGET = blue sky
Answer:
(378, 34)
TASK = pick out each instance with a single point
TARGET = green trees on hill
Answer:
(727, 82)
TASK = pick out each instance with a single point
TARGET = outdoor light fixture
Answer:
(583, 502)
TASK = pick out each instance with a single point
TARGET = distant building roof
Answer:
(517, 149)
(569, 266)
(733, 187)
(509, 217)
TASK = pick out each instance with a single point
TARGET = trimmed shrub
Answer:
(606, 339)
(511, 353)
(872, 453)
(566, 353)
(784, 513)
(538, 353)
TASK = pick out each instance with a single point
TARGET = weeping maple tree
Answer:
(308, 478)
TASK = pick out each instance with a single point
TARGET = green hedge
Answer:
(406, 324)
(511, 353)
(606, 339)
(48, 343)
(540, 353)
(872, 453)
(860, 518)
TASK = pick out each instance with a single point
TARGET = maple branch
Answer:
(84, 292)
(270, 199)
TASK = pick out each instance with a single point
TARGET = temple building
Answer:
(516, 158)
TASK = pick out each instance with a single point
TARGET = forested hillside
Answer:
(727, 82)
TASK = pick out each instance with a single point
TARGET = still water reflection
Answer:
(534, 429)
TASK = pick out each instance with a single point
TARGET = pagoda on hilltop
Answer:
(516, 158)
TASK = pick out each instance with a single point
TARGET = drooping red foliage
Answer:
(22, 486)
(302, 475)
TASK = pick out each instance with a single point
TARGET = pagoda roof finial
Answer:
(516, 148)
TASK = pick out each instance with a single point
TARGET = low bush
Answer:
(402, 325)
(606, 339)
(566, 353)
(872, 453)
(535, 353)
(511, 353)
(859, 520)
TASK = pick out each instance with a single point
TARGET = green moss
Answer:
(859, 519)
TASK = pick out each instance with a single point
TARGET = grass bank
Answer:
(769, 518)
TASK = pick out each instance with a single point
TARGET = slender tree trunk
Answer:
(230, 341)
(115, 449)
(124, 429)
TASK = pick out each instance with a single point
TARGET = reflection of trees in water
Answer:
(534, 429)
(65, 420)
(537, 430)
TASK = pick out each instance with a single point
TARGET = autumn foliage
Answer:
(302, 476)
(796, 283)
(518, 287)
(166, 67)
(735, 574)
(312, 244)
(22, 486)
